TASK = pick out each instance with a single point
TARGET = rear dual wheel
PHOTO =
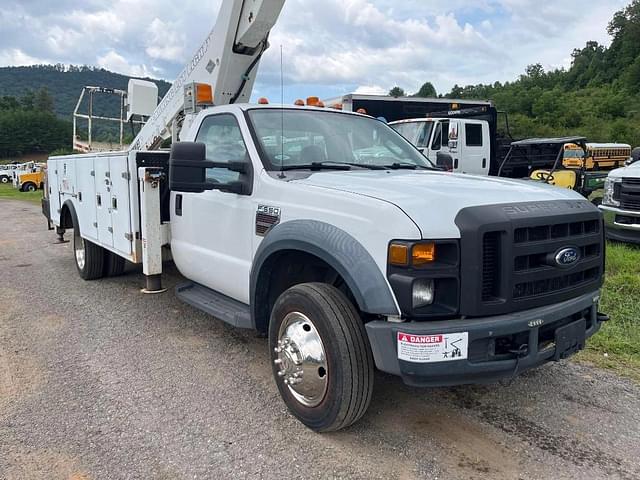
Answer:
(321, 358)
(93, 261)
(89, 256)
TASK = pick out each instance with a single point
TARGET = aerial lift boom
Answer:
(227, 61)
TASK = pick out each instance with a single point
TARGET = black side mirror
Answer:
(444, 161)
(188, 166)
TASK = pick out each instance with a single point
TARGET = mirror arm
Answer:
(238, 167)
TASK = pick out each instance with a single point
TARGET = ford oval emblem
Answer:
(567, 257)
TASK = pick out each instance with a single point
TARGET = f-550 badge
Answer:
(266, 218)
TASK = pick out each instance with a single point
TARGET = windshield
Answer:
(311, 137)
(417, 133)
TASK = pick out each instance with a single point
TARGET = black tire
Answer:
(92, 266)
(4, 179)
(29, 187)
(113, 264)
(350, 366)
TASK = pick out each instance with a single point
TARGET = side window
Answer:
(222, 136)
(445, 137)
(437, 138)
(473, 134)
(423, 139)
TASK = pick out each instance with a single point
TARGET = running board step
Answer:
(215, 304)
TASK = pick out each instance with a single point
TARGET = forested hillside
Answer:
(65, 83)
(598, 96)
(28, 124)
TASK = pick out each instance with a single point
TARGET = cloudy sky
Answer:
(330, 46)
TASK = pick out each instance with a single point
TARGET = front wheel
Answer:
(4, 179)
(322, 361)
(29, 187)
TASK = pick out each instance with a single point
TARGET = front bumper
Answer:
(621, 225)
(489, 358)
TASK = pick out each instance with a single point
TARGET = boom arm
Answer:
(227, 60)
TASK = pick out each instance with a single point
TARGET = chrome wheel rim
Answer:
(79, 250)
(301, 359)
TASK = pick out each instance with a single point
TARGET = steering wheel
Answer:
(545, 177)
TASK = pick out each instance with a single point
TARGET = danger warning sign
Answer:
(432, 348)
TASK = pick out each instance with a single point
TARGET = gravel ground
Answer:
(98, 381)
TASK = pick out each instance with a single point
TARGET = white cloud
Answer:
(16, 57)
(165, 42)
(335, 45)
(117, 63)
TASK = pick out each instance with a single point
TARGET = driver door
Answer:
(212, 231)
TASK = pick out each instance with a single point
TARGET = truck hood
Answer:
(632, 170)
(433, 199)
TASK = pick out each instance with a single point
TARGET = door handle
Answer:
(179, 205)
(484, 163)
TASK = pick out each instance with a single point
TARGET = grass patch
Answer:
(7, 191)
(617, 345)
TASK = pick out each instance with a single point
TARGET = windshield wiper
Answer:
(403, 166)
(369, 166)
(317, 166)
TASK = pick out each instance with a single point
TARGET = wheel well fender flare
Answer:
(339, 250)
(68, 216)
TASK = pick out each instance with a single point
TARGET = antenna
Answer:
(282, 175)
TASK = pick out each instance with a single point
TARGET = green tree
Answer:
(427, 91)
(397, 92)
(43, 101)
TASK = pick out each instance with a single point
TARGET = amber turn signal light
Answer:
(398, 255)
(423, 253)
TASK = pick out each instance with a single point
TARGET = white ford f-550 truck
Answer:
(331, 234)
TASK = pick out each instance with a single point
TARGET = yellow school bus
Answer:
(600, 156)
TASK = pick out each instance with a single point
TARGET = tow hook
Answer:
(602, 317)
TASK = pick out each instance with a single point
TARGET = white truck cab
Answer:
(468, 141)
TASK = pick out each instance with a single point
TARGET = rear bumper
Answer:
(621, 225)
(488, 338)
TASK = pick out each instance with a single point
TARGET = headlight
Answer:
(611, 192)
(423, 292)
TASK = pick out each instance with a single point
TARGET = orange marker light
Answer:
(320, 104)
(337, 106)
(423, 253)
(398, 255)
(313, 101)
(263, 101)
(204, 94)
(299, 103)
